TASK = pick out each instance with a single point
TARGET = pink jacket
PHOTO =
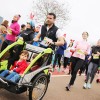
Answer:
(80, 47)
(15, 31)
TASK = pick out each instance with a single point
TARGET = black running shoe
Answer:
(68, 88)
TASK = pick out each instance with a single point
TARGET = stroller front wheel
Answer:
(40, 85)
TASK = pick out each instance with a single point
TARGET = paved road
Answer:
(56, 91)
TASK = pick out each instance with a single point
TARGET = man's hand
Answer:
(98, 53)
(60, 41)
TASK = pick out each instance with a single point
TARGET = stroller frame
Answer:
(28, 81)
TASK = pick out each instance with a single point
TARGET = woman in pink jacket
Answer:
(12, 32)
(80, 48)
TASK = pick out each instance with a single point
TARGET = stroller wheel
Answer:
(40, 85)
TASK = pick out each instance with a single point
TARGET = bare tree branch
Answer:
(42, 7)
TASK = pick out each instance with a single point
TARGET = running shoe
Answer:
(88, 85)
(59, 69)
(85, 86)
(68, 87)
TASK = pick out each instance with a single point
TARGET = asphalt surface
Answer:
(56, 91)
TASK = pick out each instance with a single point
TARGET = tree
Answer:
(42, 7)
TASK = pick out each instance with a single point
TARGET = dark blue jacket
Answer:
(61, 49)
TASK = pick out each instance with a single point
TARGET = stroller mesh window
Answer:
(5, 56)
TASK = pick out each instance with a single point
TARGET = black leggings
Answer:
(84, 67)
(57, 58)
(66, 61)
(76, 65)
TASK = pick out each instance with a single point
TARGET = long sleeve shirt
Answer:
(15, 27)
(19, 66)
(61, 49)
(80, 47)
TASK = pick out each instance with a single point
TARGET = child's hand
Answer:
(11, 71)
(21, 75)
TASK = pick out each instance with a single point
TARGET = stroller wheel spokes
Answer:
(39, 88)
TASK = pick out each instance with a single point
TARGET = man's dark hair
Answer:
(52, 15)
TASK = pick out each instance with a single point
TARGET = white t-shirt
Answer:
(67, 52)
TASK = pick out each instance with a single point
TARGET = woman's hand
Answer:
(86, 53)
(9, 30)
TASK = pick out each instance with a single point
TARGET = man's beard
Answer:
(48, 23)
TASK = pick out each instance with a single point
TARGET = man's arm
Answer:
(60, 41)
(60, 38)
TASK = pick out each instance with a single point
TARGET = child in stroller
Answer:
(18, 68)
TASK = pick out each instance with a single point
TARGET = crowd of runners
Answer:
(79, 56)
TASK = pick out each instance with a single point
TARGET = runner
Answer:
(50, 34)
(81, 48)
(51, 31)
(67, 56)
(93, 66)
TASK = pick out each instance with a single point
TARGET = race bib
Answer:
(45, 41)
(95, 57)
(80, 52)
(67, 50)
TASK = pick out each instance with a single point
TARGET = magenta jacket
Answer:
(15, 31)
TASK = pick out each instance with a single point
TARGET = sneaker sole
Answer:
(84, 87)
(67, 89)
